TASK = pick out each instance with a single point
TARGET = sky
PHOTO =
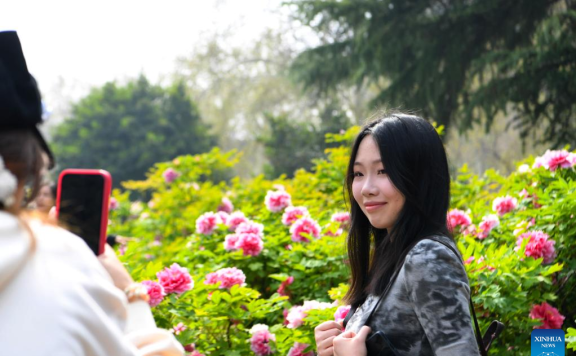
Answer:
(71, 46)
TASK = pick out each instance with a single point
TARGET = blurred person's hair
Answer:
(22, 155)
(50, 184)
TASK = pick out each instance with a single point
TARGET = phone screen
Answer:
(81, 199)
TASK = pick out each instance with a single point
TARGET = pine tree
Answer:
(455, 61)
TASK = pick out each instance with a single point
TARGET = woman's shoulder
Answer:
(433, 247)
(433, 254)
(25, 237)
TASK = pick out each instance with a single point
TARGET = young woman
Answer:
(46, 198)
(399, 188)
(56, 297)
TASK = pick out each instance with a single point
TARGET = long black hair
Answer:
(416, 163)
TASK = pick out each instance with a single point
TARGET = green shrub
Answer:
(506, 283)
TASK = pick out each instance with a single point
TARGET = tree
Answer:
(240, 89)
(457, 61)
(291, 145)
(126, 129)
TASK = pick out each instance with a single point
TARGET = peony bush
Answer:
(251, 266)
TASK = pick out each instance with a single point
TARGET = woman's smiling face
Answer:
(372, 188)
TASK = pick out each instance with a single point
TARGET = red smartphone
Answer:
(82, 204)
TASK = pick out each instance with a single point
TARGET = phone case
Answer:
(105, 197)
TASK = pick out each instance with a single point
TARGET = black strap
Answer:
(349, 315)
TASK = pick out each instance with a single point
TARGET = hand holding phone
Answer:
(82, 204)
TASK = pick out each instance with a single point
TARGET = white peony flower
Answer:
(523, 168)
(257, 328)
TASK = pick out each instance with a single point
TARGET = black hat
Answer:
(20, 101)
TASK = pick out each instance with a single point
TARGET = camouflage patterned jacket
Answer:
(426, 311)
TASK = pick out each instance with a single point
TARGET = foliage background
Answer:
(218, 320)
(125, 129)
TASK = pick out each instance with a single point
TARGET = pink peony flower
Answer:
(230, 242)
(207, 222)
(175, 279)
(539, 162)
(260, 340)
(341, 313)
(468, 230)
(298, 350)
(282, 289)
(285, 314)
(223, 216)
(550, 316)
(169, 175)
(553, 160)
(250, 243)
(539, 246)
(293, 213)
(227, 277)
(303, 226)
(155, 291)
(235, 219)
(457, 218)
(343, 218)
(295, 317)
(479, 262)
(178, 328)
(113, 205)
(560, 159)
(488, 223)
(277, 201)
(192, 349)
(296, 314)
(226, 206)
(524, 194)
(338, 232)
(503, 205)
(250, 227)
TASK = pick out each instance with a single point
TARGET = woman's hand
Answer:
(324, 335)
(350, 343)
(115, 268)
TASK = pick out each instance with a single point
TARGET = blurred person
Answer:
(56, 297)
(46, 198)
